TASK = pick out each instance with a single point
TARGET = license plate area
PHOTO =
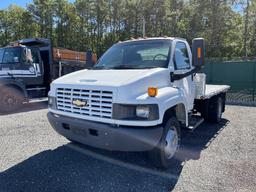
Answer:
(79, 131)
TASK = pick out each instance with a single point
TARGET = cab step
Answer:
(36, 100)
(194, 121)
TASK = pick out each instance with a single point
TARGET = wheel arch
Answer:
(15, 85)
(179, 111)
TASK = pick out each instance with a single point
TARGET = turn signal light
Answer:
(199, 52)
(152, 91)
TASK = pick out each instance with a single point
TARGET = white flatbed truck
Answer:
(137, 98)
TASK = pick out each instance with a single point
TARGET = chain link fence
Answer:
(239, 74)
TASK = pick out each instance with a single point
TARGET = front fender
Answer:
(167, 98)
(8, 82)
(170, 97)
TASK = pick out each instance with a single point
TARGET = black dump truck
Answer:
(28, 66)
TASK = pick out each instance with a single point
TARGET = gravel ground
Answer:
(212, 158)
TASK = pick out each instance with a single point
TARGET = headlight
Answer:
(142, 111)
(51, 102)
(149, 112)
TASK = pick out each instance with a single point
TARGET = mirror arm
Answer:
(175, 77)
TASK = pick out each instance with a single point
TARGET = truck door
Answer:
(37, 63)
(32, 63)
(183, 64)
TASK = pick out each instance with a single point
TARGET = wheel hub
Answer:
(171, 143)
(9, 100)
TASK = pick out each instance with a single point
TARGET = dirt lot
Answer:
(212, 158)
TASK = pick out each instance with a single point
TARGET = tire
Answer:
(215, 109)
(10, 100)
(162, 156)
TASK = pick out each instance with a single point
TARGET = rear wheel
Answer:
(11, 99)
(215, 109)
(168, 146)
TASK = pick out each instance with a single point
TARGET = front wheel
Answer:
(10, 100)
(168, 146)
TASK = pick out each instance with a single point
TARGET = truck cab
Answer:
(28, 66)
(21, 75)
(137, 98)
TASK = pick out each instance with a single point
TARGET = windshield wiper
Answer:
(115, 67)
(125, 67)
(152, 67)
(135, 67)
(99, 67)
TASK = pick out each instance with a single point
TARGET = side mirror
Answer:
(91, 59)
(198, 49)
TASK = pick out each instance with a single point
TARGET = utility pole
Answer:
(144, 27)
(151, 16)
(246, 21)
(140, 3)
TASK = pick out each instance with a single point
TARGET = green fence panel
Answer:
(240, 75)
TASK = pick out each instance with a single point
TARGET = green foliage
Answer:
(97, 24)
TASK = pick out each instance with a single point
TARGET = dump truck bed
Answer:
(65, 54)
(212, 90)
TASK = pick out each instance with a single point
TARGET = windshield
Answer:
(10, 55)
(136, 55)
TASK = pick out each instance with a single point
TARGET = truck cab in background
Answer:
(137, 98)
(28, 66)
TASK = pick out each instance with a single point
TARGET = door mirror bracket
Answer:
(176, 77)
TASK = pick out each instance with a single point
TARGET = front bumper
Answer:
(106, 136)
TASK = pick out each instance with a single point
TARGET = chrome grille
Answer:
(99, 103)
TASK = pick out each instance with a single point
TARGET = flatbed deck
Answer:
(212, 90)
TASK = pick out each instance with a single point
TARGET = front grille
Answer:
(99, 103)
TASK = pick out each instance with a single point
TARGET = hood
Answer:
(113, 78)
(126, 84)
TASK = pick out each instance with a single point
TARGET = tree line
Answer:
(229, 26)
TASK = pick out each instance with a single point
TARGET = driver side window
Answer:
(35, 56)
(181, 57)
